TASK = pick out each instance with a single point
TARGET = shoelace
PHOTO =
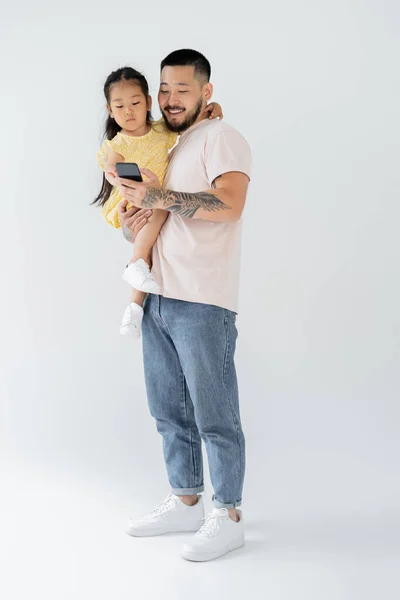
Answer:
(163, 507)
(212, 523)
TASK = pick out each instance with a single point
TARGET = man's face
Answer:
(182, 97)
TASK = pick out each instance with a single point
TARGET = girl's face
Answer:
(128, 106)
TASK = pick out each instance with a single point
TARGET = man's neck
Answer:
(202, 117)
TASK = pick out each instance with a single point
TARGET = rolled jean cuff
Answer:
(219, 504)
(187, 491)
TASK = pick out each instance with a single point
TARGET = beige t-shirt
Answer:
(193, 259)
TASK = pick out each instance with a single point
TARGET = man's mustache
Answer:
(174, 108)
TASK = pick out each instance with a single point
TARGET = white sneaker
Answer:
(218, 536)
(139, 276)
(132, 320)
(171, 516)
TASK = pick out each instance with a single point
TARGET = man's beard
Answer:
(186, 123)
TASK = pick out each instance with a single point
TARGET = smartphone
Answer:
(128, 171)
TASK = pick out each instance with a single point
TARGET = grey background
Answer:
(314, 87)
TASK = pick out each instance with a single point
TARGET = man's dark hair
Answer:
(189, 58)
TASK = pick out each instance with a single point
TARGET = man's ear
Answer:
(208, 91)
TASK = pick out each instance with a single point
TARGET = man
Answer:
(189, 332)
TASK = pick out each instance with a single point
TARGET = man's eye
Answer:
(163, 92)
(183, 92)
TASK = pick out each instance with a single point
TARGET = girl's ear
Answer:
(109, 110)
(149, 102)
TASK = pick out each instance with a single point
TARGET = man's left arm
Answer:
(227, 160)
(223, 203)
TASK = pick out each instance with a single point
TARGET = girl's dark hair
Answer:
(111, 127)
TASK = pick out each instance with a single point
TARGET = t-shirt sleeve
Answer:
(102, 156)
(227, 151)
(118, 145)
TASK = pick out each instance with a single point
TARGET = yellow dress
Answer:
(149, 151)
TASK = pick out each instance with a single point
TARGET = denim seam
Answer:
(226, 354)
(184, 398)
(183, 391)
(226, 357)
(159, 315)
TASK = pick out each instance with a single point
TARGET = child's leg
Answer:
(139, 276)
(137, 273)
(138, 297)
(146, 238)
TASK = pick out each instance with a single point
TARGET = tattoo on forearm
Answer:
(152, 197)
(182, 203)
(128, 234)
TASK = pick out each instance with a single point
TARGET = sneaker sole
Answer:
(204, 557)
(128, 333)
(192, 528)
(150, 288)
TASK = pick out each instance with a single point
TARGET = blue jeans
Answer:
(188, 351)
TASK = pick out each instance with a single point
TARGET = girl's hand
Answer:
(215, 111)
(111, 175)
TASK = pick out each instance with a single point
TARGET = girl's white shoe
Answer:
(132, 320)
(139, 276)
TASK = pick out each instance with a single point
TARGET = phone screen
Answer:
(129, 171)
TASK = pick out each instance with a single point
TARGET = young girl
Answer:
(132, 136)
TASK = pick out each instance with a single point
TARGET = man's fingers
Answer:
(125, 182)
(131, 221)
(122, 207)
(149, 174)
(139, 225)
(131, 212)
(144, 212)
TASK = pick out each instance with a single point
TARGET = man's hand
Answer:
(132, 220)
(140, 194)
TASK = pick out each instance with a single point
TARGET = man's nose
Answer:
(173, 98)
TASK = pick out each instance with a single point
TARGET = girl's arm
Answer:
(214, 110)
(110, 171)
